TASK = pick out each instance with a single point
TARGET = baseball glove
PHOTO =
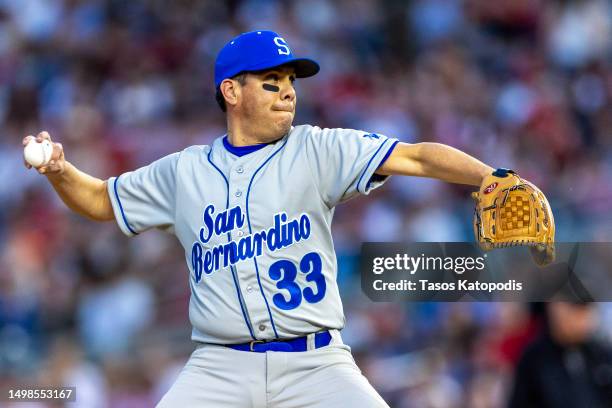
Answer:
(510, 211)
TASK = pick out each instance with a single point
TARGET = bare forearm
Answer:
(437, 161)
(449, 164)
(82, 193)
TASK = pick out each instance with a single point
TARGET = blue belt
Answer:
(321, 339)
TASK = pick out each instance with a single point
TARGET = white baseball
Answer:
(38, 154)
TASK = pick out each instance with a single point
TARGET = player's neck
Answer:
(240, 140)
(239, 136)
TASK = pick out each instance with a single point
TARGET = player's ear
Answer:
(231, 91)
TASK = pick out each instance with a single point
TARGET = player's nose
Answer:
(288, 91)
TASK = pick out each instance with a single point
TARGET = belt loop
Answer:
(335, 335)
(310, 341)
(253, 343)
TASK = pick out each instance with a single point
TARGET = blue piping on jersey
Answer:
(229, 237)
(378, 177)
(121, 207)
(251, 231)
(234, 275)
(384, 159)
(368, 165)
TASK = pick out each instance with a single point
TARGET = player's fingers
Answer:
(27, 139)
(47, 168)
(43, 135)
(58, 150)
(54, 166)
(27, 165)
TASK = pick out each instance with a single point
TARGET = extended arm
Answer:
(437, 161)
(82, 193)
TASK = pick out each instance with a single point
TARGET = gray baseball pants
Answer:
(217, 376)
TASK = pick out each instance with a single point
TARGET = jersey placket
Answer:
(254, 301)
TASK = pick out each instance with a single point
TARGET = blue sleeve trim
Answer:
(387, 154)
(377, 177)
(365, 170)
(121, 207)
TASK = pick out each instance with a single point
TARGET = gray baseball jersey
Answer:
(256, 227)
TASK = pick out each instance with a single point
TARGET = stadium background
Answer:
(522, 84)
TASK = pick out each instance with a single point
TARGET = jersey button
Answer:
(240, 233)
(249, 288)
(238, 193)
(262, 327)
(239, 170)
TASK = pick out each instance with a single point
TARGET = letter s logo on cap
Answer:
(283, 48)
(490, 188)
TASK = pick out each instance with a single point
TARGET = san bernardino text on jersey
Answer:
(282, 234)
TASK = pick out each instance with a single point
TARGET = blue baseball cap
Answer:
(256, 51)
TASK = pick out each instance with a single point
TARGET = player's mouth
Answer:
(288, 109)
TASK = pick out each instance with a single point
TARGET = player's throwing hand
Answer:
(56, 164)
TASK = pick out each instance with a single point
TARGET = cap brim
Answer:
(304, 67)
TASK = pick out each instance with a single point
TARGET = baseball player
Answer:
(253, 212)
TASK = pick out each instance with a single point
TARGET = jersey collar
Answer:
(242, 150)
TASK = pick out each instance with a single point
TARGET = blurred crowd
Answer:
(523, 84)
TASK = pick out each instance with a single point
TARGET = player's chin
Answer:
(283, 121)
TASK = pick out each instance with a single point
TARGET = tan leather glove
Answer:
(511, 211)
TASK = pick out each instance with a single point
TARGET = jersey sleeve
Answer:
(343, 161)
(145, 198)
